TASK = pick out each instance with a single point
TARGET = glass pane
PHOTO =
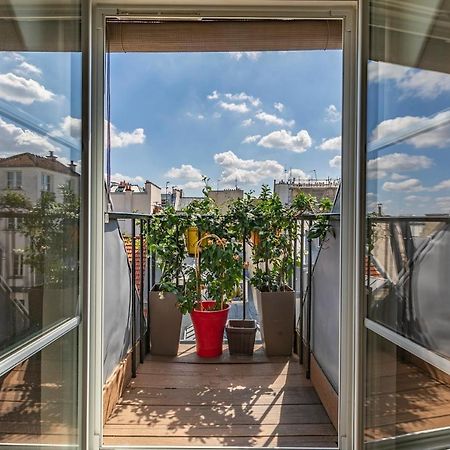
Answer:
(38, 398)
(408, 222)
(40, 160)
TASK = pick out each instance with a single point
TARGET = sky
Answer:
(408, 140)
(238, 118)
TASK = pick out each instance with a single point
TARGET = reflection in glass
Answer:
(40, 153)
(408, 222)
(38, 398)
(403, 394)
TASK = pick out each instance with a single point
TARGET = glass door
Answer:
(408, 225)
(40, 178)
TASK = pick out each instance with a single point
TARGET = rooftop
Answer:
(49, 162)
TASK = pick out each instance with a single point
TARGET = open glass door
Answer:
(40, 178)
(408, 226)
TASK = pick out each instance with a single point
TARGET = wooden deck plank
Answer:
(255, 441)
(180, 401)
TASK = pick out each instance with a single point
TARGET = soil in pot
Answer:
(209, 326)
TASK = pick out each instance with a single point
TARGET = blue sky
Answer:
(408, 113)
(240, 118)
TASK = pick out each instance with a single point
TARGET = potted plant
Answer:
(240, 217)
(272, 257)
(165, 238)
(214, 280)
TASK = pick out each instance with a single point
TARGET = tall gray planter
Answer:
(165, 323)
(277, 315)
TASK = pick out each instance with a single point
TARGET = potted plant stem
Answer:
(272, 257)
(165, 238)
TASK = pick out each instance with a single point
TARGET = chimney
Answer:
(51, 155)
(72, 166)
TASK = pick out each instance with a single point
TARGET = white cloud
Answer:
(298, 174)
(417, 198)
(240, 108)
(331, 144)
(217, 115)
(396, 162)
(118, 177)
(185, 172)
(297, 143)
(26, 68)
(437, 136)
(243, 97)
(252, 56)
(441, 186)
(332, 114)
(14, 139)
(192, 185)
(272, 119)
(213, 96)
(22, 90)
(69, 126)
(247, 171)
(443, 203)
(278, 106)
(251, 139)
(398, 177)
(422, 83)
(335, 162)
(195, 116)
(247, 122)
(120, 139)
(409, 185)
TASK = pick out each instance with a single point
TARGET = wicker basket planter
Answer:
(241, 336)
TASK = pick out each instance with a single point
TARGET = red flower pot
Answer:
(209, 327)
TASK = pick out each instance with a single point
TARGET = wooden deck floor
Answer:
(185, 401)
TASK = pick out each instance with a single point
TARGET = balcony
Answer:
(267, 401)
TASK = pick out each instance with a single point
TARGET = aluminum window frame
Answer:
(350, 398)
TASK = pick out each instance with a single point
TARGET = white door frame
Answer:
(351, 388)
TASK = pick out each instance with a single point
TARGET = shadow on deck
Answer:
(228, 401)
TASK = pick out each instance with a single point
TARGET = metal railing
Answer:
(140, 333)
(300, 284)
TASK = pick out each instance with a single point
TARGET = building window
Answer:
(46, 183)
(14, 180)
(14, 223)
(17, 265)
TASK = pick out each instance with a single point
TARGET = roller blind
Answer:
(224, 36)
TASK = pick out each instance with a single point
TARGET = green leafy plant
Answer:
(321, 225)
(218, 261)
(165, 238)
(272, 254)
(52, 229)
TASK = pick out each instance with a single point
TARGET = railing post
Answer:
(133, 299)
(302, 290)
(244, 278)
(309, 307)
(141, 289)
(148, 290)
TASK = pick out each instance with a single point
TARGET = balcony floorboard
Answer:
(226, 401)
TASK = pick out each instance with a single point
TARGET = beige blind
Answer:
(224, 36)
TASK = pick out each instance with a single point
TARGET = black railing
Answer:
(140, 327)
